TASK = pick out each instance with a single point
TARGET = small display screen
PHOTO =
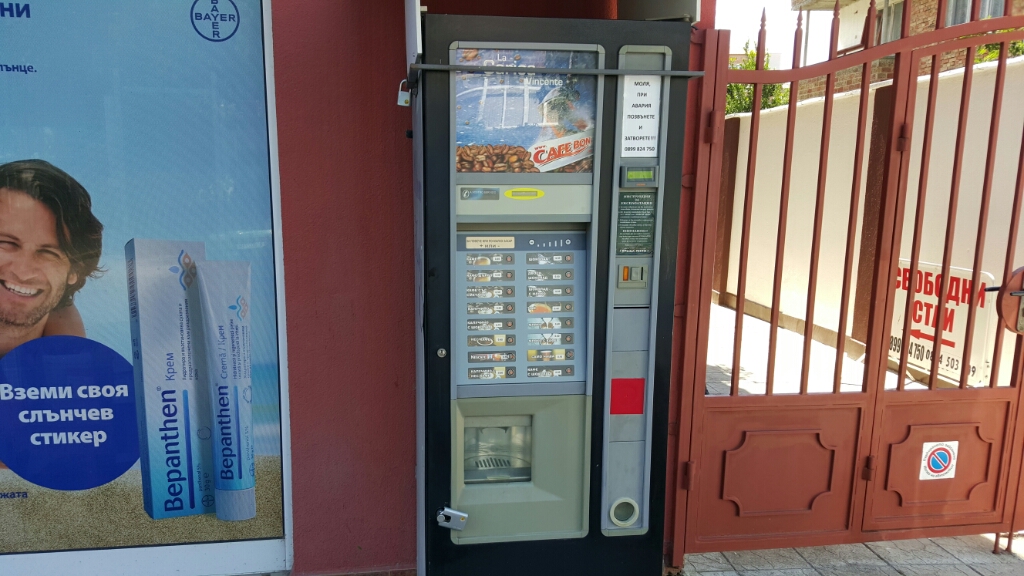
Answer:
(639, 174)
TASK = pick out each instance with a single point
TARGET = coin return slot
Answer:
(625, 512)
(498, 449)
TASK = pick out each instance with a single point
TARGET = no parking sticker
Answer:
(938, 460)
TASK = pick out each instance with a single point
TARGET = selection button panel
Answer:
(520, 307)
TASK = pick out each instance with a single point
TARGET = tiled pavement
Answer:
(961, 556)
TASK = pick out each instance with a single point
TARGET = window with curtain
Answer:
(889, 23)
(959, 11)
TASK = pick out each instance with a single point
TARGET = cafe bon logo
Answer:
(215, 20)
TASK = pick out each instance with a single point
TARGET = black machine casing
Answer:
(595, 554)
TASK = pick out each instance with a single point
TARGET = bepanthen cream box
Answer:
(172, 406)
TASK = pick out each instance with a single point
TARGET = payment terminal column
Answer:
(636, 222)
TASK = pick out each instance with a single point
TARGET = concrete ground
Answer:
(964, 555)
(789, 360)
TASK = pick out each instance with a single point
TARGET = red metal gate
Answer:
(844, 377)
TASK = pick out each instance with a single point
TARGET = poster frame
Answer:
(262, 556)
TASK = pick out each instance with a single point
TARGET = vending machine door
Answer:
(547, 197)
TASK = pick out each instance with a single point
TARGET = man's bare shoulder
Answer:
(65, 321)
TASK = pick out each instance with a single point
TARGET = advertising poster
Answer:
(524, 122)
(140, 384)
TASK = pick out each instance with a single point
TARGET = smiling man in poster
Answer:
(50, 244)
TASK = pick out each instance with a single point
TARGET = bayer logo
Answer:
(215, 20)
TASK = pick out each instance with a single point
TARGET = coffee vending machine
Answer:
(547, 190)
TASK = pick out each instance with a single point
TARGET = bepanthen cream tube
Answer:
(171, 401)
(224, 289)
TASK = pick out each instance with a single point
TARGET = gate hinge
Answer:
(714, 127)
(903, 141)
(688, 180)
(673, 428)
(686, 475)
(698, 36)
(666, 550)
(869, 469)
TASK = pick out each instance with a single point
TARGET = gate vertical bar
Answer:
(748, 200)
(883, 290)
(780, 242)
(922, 193)
(1010, 254)
(954, 199)
(851, 227)
(986, 195)
(819, 203)
(897, 165)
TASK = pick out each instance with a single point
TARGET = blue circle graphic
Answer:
(67, 413)
(938, 460)
(214, 20)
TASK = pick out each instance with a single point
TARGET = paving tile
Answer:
(935, 570)
(707, 562)
(974, 550)
(912, 552)
(840, 555)
(858, 570)
(794, 572)
(729, 573)
(778, 559)
(999, 569)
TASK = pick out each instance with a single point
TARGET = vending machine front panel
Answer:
(547, 212)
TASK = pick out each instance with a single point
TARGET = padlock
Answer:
(404, 97)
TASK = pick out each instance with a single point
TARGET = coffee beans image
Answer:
(506, 158)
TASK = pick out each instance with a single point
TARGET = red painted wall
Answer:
(346, 171)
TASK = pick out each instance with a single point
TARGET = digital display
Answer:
(633, 174)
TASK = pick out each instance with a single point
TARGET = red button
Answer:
(627, 396)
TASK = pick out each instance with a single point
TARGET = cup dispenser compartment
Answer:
(519, 467)
(498, 449)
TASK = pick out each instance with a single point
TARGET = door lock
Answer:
(451, 519)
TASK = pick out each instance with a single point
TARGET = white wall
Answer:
(803, 189)
(851, 22)
(975, 153)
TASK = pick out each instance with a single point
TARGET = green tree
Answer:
(740, 97)
(990, 52)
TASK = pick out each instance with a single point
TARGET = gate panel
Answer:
(908, 494)
(946, 421)
(784, 471)
(817, 425)
(782, 420)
